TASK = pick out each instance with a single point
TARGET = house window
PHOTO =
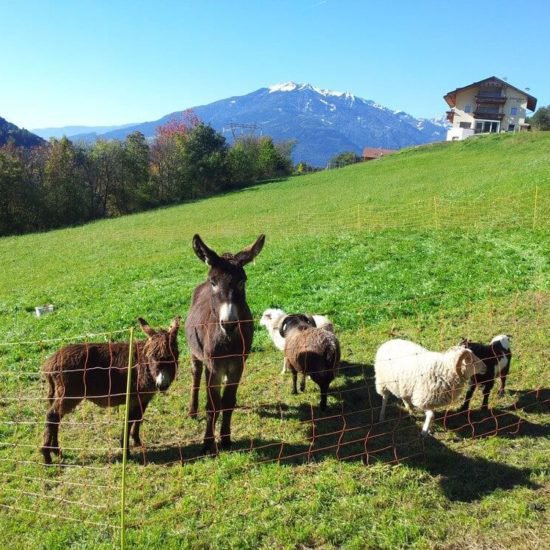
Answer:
(513, 111)
(467, 108)
(511, 127)
(465, 124)
(486, 127)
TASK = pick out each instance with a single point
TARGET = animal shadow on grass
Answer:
(466, 479)
(347, 430)
(502, 421)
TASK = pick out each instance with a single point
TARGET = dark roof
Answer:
(450, 97)
(376, 152)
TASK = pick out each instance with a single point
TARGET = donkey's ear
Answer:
(145, 327)
(175, 325)
(248, 254)
(204, 254)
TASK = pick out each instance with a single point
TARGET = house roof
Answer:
(376, 152)
(450, 97)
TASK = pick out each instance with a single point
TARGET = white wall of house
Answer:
(514, 110)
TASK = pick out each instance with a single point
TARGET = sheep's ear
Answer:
(465, 357)
(145, 327)
(175, 325)
(204, 254)
(283, 326)
(249, 253)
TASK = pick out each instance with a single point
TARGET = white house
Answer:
(488, 106)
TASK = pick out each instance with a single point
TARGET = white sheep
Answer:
(422, 378)
(271, 320)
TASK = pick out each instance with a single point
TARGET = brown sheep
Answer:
(311, 351)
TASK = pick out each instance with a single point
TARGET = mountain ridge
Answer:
(321, 122)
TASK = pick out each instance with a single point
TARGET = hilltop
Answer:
(18, 136)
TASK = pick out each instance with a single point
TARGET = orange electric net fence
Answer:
(85, 481)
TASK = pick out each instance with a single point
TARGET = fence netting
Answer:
(84, 483)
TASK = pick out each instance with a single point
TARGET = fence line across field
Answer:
(349, 431)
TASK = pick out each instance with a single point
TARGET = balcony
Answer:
(492, 99)
(480, 114)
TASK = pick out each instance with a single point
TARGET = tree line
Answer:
(63, 183)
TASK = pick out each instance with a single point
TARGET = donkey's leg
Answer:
(196, 371)
(213, 406)
(229, 401)
(137, 422)
(60, 407)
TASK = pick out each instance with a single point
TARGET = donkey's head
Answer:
(161, 353)
(227, 279)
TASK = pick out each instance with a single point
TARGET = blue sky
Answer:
(114, 62)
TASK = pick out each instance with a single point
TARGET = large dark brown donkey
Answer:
(219, 332)
(98, 372)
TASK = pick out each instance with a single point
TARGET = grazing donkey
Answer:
(219, 332)
(98, 373)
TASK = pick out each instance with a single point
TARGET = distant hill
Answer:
(19, 136)
(322, 122)
(88, 133)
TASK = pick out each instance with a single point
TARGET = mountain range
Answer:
(322, 122)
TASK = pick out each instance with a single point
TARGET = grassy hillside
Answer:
(433, 244)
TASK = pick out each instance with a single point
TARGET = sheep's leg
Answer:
(294, 380)
(427, 422)
(229, 401)
(285, 366)
(303, 382)
(385, 396)
(323, 386)
(213, 406)
(503, 375)
(487, 387)
(408, 405)
(196, 371)
(469, 394)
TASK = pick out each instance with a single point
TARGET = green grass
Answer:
(433, 244)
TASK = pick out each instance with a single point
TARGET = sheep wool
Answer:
(422, 378)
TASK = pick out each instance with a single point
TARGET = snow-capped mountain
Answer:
(322, 122)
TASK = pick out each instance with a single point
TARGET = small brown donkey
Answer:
(98, 373)
(219, 332)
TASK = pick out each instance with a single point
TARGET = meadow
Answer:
(432, 244)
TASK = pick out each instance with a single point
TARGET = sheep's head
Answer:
(296, 321)
(271, 317)
(503, 340)
(160, 353)
(467, 364)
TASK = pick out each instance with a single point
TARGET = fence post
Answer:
(125, 442)
(535, 206)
